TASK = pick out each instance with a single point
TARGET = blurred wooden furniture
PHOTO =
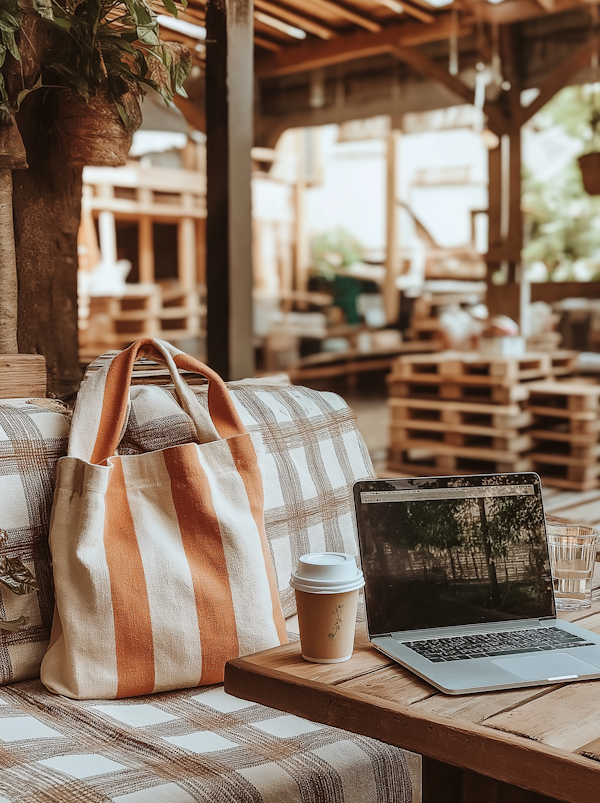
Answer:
(351, 362)
(531, 745)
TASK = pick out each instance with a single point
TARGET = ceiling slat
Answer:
(312, 55)
(295, 19)
(351, 16)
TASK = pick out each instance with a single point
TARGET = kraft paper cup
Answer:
(327, 586)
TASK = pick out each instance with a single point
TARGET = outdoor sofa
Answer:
(197, 744)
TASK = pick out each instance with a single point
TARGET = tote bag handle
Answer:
(102, 407)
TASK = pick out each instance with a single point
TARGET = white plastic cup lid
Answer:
(327, 573)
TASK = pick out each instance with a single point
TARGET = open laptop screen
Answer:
(446, 551)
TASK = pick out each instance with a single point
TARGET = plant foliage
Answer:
(11, 17)
(562, 221)
(99, 45)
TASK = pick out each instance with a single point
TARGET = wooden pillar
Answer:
(505, 229)
(301, 243)
(229, 135)
(146, 238)
(187, 253)
(146, 248)
(391, 294)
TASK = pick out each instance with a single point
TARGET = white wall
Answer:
(353, 190)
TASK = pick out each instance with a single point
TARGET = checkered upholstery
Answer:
(32, 438)
(313, 454)
(181, 747)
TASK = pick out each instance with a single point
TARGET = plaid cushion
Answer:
(33, 435)
(313, 454)
(181, 747)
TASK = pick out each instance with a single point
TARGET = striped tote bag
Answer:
(161, 566)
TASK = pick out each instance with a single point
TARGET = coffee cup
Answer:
(327, 586)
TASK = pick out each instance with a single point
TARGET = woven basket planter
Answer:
(93, 133)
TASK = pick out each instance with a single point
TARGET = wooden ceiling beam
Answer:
(295, 19)
(511, 11)
(418, 13)
(425, 66)
(561, 75)
(267, 44)
(313, 55)
(351, 16)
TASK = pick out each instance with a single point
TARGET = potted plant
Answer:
(103, 54)
(99, 54)
(589, 163)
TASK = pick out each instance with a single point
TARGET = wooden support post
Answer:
(302, 246)
(146, 248)
(391, 294)
(187, 253)
(107, 230)
(229, 133)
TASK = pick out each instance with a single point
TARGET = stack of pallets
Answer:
(566, 433)
(461, 413)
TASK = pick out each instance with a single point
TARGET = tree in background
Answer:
(561, 221)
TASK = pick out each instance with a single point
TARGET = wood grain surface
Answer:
(517, 746)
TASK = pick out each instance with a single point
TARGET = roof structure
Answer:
(323, 61)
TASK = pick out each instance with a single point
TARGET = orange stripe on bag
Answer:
(131, 611)
(113, 411)
(204, 551)
(244, 456)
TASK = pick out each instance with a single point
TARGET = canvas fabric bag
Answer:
(161, 567)
(312, 454)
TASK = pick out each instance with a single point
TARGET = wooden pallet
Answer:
(456, 413)
(435, 435)
(561, 472)
(424, 388)
(563, 362)
(573, 399)
(424, 463)
(474, 368)
(566, 429)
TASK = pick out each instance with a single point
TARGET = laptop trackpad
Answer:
(538, 667)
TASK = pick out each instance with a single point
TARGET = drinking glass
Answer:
(572, 556)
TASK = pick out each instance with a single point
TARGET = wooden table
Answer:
(523, 746)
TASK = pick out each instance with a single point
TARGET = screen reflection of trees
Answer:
(458, 561)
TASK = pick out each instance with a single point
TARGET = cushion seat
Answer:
(184, 746)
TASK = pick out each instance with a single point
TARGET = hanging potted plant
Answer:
(104, 53)
(589, 163)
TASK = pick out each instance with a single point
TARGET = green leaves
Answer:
(44, 9)
(16, 576)
(123, 114)
(114, 45)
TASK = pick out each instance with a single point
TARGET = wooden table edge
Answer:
(505, 757)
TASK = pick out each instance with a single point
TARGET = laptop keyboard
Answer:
(488, 645)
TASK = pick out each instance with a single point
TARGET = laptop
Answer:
(458, 586)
